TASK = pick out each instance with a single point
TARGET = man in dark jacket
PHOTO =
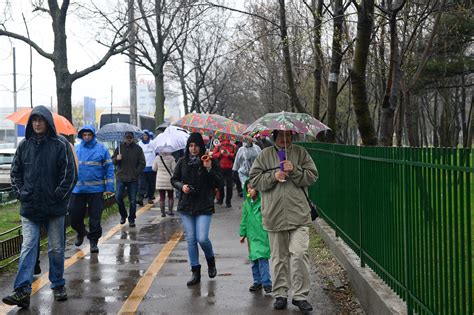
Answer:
(43, 175)
(130, 162)
(96, 177)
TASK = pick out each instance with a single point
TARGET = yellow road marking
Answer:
(44, 278)
(131, 304)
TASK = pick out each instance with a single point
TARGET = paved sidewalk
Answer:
(103, 283)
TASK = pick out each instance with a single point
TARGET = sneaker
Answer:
(122, 220)
(219, 202)
(19, 297)
(79, 239)
(139, 202)
(228, 205)
(280, 303)
(303, 305)
(255, 287)
(131, 224)
(170, 213)
(267, 289)
(150, 202)
(60, 293)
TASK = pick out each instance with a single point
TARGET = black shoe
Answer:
(303, 305)
(150, 202)
(60, 293)
(139, 202)
(122, 220)
(94, 248)
(255, 287)
(131, 224)
(37, 269)
(171, 213)
(196, 277)
(211, 267)
(280, 303)
(79, 239)
(219, 202)
(228, 205)
(19, 297)
(267, 289)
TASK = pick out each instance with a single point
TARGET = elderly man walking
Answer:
(286, 215)
(43, 175)
(96, 177)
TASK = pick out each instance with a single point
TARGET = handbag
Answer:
(312, 206)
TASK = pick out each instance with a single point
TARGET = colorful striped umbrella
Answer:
(212, 125)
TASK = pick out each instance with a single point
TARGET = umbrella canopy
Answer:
(161, 127)
(116, 132)
(297, 122)
(212, 125)
(61, 123)
(172, 139)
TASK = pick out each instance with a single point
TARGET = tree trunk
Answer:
(159, 98)
(295, 102)
(389, 103)
(336, 59)
(411, 118)
(358, 73)
(158, 73)
(317, 55)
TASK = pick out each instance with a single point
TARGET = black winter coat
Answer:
(43, 171)
(201, 199)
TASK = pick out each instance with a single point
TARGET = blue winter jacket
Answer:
(96, 171)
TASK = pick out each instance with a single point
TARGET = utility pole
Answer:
(15, 95)
(132, 69)
(111, 102)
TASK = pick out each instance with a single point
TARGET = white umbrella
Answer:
(172, 139)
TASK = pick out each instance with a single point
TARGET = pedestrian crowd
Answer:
(51, 178)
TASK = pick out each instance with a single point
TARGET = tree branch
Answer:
(27, 41)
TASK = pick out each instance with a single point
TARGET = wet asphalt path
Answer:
(145, 270)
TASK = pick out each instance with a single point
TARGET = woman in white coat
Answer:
(164, 165)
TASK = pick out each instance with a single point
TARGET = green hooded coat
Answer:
(251, 227)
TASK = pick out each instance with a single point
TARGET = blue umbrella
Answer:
(116, 132)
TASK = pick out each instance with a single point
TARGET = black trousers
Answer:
(146, 185)
(91, 203)
(229, 183)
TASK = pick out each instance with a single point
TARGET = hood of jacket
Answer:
(246, 195)
(89, 128)
(148, 133)
(44, 112)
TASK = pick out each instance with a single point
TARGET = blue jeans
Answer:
(196, 228)
(261, 272)
(132, 189)
(29, 251)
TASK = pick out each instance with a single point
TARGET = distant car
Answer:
(6, 158)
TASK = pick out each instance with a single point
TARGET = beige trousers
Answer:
(290, 257)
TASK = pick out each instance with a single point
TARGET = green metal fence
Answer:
(407, 213)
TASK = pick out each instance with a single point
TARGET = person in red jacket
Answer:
(224, 152)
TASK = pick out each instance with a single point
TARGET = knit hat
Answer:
(196, 138)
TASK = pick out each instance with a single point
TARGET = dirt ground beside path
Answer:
(332, 276)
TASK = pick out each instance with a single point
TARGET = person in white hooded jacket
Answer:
(147, 179)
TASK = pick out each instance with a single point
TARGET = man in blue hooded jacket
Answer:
(43, 175)
(96, 177)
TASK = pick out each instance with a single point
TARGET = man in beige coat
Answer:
(286, 215)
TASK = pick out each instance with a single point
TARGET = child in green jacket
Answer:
(257, 238)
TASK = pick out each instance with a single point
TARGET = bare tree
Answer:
(59, 56)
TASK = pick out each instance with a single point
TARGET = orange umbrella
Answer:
(61, 123)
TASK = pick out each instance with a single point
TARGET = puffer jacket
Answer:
(132, 163)
(96, 171)
(43, 171)
(284, 205)
(226, 159)
(201, 199)
(251, 227)
(162, 176)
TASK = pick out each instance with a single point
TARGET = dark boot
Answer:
(162, 207)
(170, 206)
(94, 248)
(196, 277)
(211, 267)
